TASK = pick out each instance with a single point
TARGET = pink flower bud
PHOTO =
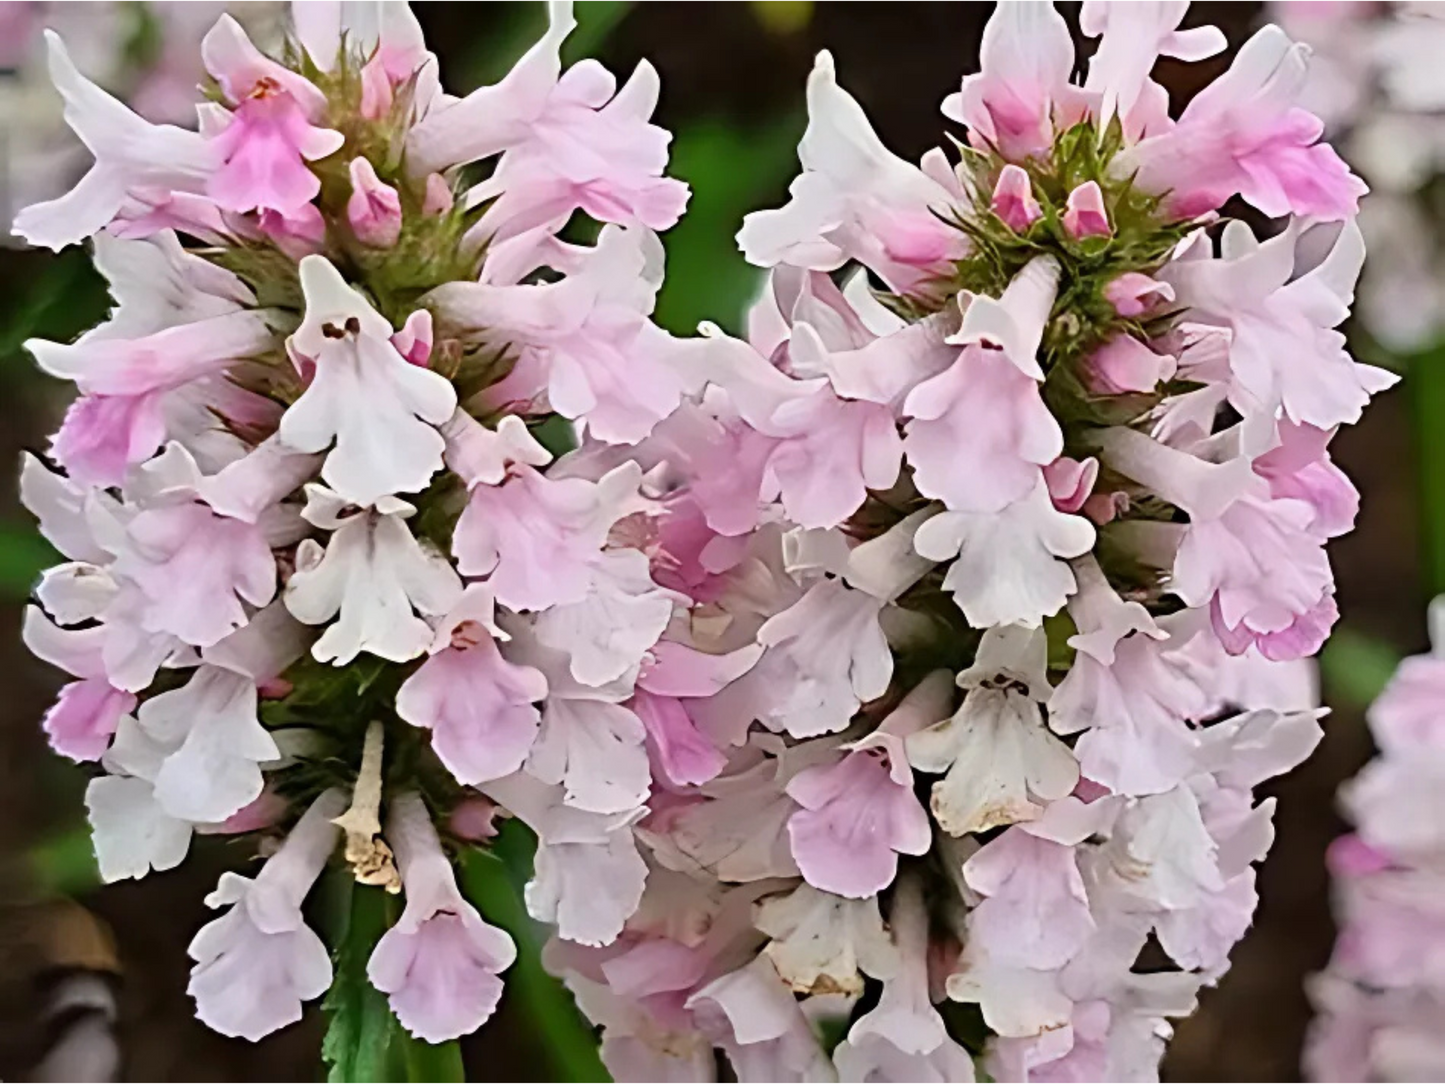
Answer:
(299, 233)
(268, 808)
(474, 818)
(1102, 508)
(1133, 294)
(1124, 364)
(1084, 214)
(414, 340)
(1070, 482)
(374, 209)
(1013, 199)
(438, 199)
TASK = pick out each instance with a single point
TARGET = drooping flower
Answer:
(440, 963)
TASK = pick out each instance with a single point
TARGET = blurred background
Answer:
(732, 76)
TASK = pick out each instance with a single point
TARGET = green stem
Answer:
(438, 1062)
(492, 881)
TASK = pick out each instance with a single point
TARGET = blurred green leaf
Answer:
(23, 556)
(64, 864)
(493, 880)
(732, 171)
(359, 1036)
(67, 297)
(1355, 666)
(1425, 384)
(782, 16)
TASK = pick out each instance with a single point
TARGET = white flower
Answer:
(373, 576)
(379, 409)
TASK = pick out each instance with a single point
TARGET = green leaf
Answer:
(359, 1038)
(732, 171)
(493, 881)
(23, 556)
(1425, 384)
(67, 297)
(64, 864)
(1355, 667)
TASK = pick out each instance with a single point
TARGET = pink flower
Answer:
(84, 716)
(194, 570)
(589, 875)
(86, 712)
(567, 143)
(1021, 93)
(858, 815)
(439, 965)
(591, 148)
(585, 342)
(374, 208)
(1132, 706)
(857, 200)
(1283, 353)
(826, 655)
(438, 199)
(1300, 468)
(674, 676)
(1406, 716)
(757, 1021)
(103, 435)
(1133, 39)
(415, 339)
(1252, 557)
(130, 155)
(986, 409)
(258, 962)
(479, 707)
(1244, 134)
(482, 456)
(537, 538)
(159, 360)
(983, 411)
(271, 134)
(1035, 912)
(1013, 199)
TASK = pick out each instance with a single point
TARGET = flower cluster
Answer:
(899, 674)
(317, 556)
(1375, 81)
(1382, 999)
(1011, 510)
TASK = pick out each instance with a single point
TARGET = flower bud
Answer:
(1013, 199)
(374, 209)
(1084, 214)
